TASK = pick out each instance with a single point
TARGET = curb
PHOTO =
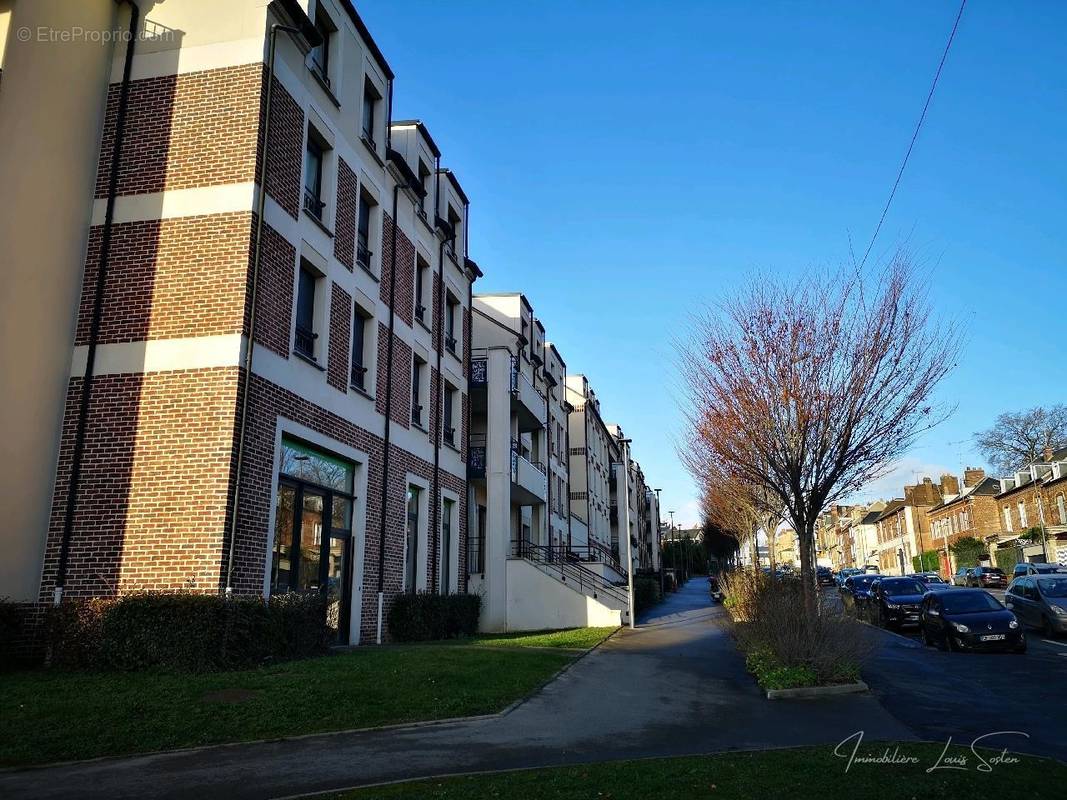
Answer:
(812, 692)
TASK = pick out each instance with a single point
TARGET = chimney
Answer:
(950, 484)
(1047, 453)
(909, 494)
(972, 476)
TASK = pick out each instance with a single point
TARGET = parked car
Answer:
(894, 602)
(962, 576)
(845, 573)
(988, 578)
(1037, 569)
(824, 576)
(969, 619)
(1040, 601)
(856, 593)
(927, 577)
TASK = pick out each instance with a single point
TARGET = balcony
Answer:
(476, 458)
(529, 484)
(305, 341)
(528, 403)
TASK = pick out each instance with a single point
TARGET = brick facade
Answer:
(161, 451)
(169, 278)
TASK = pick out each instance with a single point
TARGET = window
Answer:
(424, 181)
(313, 158)
(451, 306)
(363, 252)
(447, 507)
(422, 271)
(411, 555)
(359, 348)
(476, 544)
(417, 367)
(456, 222)
(1007, 519)
(1022, 515)
(320, 56)
(304, 342)
(370, 105)
(449, 432)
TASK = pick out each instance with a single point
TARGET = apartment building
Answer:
(524, 561)
(904, 529)
(593, 449)
(256, 290)
(972, 512)
(1035, 497)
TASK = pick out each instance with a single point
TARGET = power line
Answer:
(915, 135)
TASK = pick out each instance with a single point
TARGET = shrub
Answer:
(12, 616)
(785, 646)
(1007, 558)
(968, 551)
(646, 592)
(424, 616)
(929, 561)
(184, 632)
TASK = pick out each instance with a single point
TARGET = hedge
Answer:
(968, 551)
(929, 561)
(422, 617)
(12, 616)
(646, 592)
(1007, 558)
(182, 632)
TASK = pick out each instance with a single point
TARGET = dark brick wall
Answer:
(337, 364)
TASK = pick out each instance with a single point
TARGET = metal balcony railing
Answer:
(363, 255)
(359, 373)
(450, 344)
(556, 561)
(450, 435)
(313, 205)
(305, 341)
(476, 457)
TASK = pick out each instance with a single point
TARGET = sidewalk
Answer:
(674, 686)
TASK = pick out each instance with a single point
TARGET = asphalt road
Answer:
(970, 695)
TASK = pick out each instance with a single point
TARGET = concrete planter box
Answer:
(814, 692)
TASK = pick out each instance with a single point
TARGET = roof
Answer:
(421, 127)
(891, 509)
(455, 184)
(870, 518)
(987, 487)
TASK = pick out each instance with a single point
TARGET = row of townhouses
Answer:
(249, 354)
(1025, 512)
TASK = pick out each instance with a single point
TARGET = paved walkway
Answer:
(674, 686)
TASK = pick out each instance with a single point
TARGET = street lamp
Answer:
(659, 541)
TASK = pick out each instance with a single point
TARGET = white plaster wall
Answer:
(537, 601)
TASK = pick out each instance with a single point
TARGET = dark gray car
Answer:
(1040, 601)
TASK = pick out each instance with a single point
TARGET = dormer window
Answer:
(454, 220)
(451, 307)
(320, 56)
(314, 155)
(371, 98)
(424, 180)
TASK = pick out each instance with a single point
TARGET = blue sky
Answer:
(627, 164)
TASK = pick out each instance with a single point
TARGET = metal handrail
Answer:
(556, 558)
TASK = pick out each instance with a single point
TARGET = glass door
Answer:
(313, 532)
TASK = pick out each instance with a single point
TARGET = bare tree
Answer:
(1019, 437)
(811, 388)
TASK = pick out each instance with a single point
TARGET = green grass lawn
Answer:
(53, 715)
(797, 774)
(575, 638)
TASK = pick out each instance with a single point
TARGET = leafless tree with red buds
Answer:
(810, 389)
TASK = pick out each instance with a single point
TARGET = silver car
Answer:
(1040, 601)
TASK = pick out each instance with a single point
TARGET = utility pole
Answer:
(674, 552)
